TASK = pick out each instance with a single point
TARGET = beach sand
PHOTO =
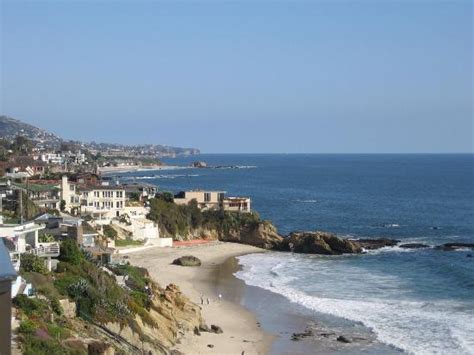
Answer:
(242, 333)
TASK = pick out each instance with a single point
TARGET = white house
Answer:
(100, 201)
(23, 238)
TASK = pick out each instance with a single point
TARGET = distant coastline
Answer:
(136, 168)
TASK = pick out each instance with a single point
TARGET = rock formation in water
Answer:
(319, 243)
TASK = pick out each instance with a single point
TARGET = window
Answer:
(207, 196)
(220, 196)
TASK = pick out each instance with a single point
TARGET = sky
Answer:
(244, 77)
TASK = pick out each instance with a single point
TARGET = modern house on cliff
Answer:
(208, 200)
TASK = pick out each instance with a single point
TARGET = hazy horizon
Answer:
(289, 77)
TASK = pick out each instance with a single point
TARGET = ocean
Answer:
(418, 301)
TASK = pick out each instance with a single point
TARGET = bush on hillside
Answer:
(110, 232)
(32, 263)
(178, 220)
(70, 252)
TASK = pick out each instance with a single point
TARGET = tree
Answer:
(62, 205)
(22, 145)
(32, 263)
(70, 252)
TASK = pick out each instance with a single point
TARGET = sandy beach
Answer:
(242, 333)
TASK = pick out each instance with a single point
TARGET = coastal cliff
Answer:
(87, 308)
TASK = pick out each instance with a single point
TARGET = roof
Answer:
(37, 187)
(100, 187)
(7, 272)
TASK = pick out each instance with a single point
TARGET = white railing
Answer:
(46, 249)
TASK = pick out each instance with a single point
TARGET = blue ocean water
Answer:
(420, 301)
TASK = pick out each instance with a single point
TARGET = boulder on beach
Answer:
(216, 329)
(187, 260)
(319, 243)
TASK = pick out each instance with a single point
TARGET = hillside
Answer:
(11, 127)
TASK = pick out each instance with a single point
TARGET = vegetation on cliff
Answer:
(151, 314)
(183, 221)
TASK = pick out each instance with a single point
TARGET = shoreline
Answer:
(254, 320)
(242, 332)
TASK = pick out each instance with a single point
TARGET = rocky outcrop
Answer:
(372, 244)
(319, 243)
(171, 315)
(413, 246)
(455, 246)
(262, 235)
(187, 260)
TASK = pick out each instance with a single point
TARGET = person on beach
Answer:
(202, 300)
(208, 302)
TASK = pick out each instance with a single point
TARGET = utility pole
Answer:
(21, 206)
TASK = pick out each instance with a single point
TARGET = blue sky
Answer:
(248, 76)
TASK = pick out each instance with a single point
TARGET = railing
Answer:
(46, 249)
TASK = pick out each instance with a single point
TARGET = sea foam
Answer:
(415, 326)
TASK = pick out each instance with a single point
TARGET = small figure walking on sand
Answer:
(208, 302)
(202, 300)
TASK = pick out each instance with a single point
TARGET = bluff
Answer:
(187, 222)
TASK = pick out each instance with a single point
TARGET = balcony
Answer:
(46, 250)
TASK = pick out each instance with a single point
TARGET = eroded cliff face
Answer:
(170, 316)
(263, 235)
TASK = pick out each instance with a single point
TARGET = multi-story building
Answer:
(213, 200)
(100, 201)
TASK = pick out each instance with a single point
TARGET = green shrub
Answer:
(127, 242)
(58, 332)
(30, 306)
(70, 252)
(27, 327)
(46, 238)
(62, 283)
(39, 346)
(55, 306)
(110, 232)
(32, 263)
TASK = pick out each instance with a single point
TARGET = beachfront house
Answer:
(208, 200)
(44, 194)
(101, 201)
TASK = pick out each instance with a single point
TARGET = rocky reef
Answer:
(319, 243)
(265, 235)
